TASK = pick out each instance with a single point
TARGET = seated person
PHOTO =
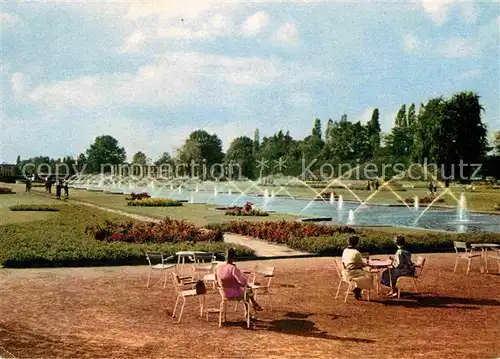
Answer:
(401, 266)
(353, 267)
(233, 282)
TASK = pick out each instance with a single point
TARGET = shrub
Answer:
(154, 202)
(281, 231)
(423, 200)
(168, 230)
(62, 242)
(241, 212)
(137, 196)
(496, 207)
(5, 190)
(34, 207)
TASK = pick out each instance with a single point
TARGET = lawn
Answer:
(109, 313)
(199, 214)
(22, 198)
(60, 239)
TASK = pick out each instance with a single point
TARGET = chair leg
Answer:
(347, 292)
(456, 264)
(149, 278)
(468, 266)
(175, 307)
(235, 305)
(221, 313)
(338, 289)
(368, 295)
(247, 314)
(164, 279)
(182, 309)
(415, 284)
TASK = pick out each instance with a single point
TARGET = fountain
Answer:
(197, 188)
(171, 187)
(266, 199)
(229, 193)
(462, 213)
(179, 189)
(272, 194)
(350, 218)
(332, 198)
(341, 202)
(415, 203)
(215, 191)
(191, 199)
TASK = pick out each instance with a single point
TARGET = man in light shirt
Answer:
(353, 267)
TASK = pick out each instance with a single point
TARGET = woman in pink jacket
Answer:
(233, 282)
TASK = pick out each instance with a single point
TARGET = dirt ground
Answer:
(109, 313)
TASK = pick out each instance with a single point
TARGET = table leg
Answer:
(390, 277)
(486, 259)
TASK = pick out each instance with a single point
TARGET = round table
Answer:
(379, 265)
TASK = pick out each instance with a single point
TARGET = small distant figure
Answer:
(431, 188)
(28, 185)
(369, 186)
(66, 190)
(377, 185)
(58, 189)
(447, 183)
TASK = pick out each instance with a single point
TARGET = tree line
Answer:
(441, 131)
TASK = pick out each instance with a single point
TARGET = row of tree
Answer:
(442, 131)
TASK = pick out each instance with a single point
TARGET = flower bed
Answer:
(154, 202)
(331, 240)
(5, 190)
(34, 207)
(281, 231)
(168, 230)
(423, 200)
(243, 212)
(137, 196)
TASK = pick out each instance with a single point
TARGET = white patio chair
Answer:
(223, 306)
(339, 266)
(266, 273)
(497, 258)
(419, 267)
(203, 263)
(153, 258)
(185, 289)
(467, 254)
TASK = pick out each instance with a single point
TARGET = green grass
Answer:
(22, 198)
(199, 214)
(59, 240)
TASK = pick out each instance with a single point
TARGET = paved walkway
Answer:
(260, 247)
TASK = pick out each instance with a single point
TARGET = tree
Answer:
(401, 120)
(316, 132)
(496, 143)
(240, 153)
(81, 162)
(373, 133)
(104, 151)
(140, 159)
(202, 148)
(256, 143)
(165, 158)
(328, 131)
(411, 118)
(463, 135)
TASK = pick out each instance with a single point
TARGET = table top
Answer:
(378, 263)
(484, 245)
(188, 253)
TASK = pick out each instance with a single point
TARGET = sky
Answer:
(149, 73)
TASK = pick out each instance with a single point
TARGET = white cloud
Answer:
(19, 82)
(287, 34)
(300, 99)
(175, 79)
(439, 10)
(255, 24)
(134, 42)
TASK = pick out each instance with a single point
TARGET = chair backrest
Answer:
(460, 245)
(265, 271)
(419, 266)
(154, 257)
(365, 255)
(337, 263)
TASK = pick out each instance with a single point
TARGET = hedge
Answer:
(34, 207)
